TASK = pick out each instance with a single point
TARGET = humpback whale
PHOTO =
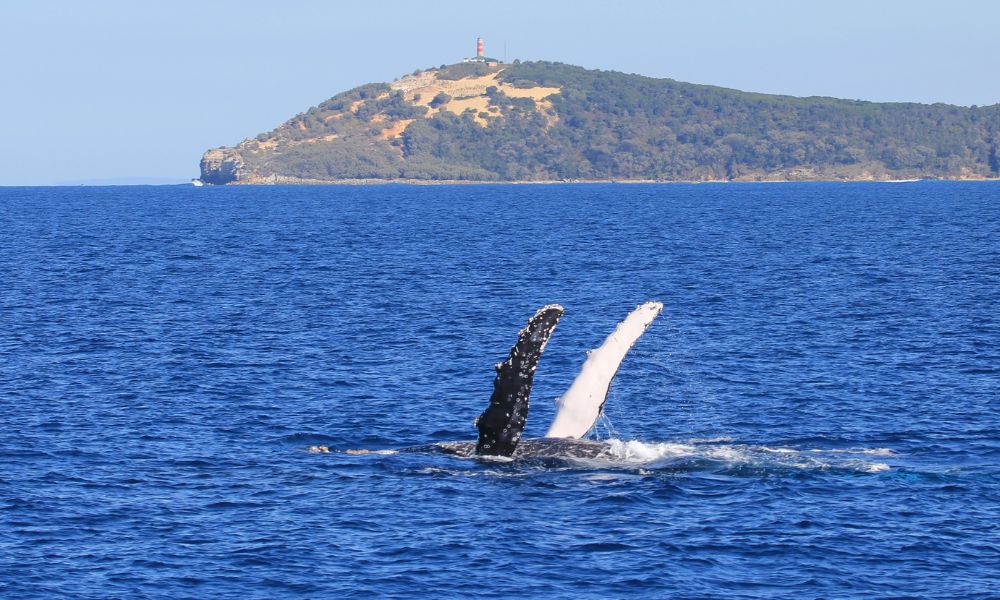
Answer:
(501, 424)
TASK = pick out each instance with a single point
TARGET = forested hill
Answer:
(543, 121)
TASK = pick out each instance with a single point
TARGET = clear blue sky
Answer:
(119, 89)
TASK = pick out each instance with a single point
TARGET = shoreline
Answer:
(293, 181)
(363, 182)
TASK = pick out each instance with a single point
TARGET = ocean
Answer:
(814, 415)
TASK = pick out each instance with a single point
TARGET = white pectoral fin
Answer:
(581, 405)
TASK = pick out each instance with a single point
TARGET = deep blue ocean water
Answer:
(815, 415)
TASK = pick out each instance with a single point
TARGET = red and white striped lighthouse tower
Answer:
(479, 48)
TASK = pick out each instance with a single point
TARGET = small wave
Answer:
(861, 466)
(778, 450)
(712, 440)
(455, 472)
(868, 451)
(300, 438)
(591, 547)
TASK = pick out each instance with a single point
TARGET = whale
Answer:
(566, 443)
(502, 422)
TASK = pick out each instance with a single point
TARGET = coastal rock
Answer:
(220, 166)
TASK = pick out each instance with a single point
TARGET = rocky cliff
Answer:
(221, 165)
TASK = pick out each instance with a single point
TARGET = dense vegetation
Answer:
(626, 126)
(609, 125)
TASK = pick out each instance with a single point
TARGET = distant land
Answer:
(545, 121)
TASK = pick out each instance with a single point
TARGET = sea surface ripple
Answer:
(814, 415)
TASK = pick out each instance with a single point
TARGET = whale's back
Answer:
(532, 448)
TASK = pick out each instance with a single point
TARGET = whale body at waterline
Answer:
(533, 448)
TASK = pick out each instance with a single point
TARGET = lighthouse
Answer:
(480, 56)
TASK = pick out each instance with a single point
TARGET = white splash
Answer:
(672, 454)
(641, 452)
(875, 467)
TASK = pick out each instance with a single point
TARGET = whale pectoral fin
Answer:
(502, 422)
(581, 405)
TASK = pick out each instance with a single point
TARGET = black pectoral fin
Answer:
(502, 422)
